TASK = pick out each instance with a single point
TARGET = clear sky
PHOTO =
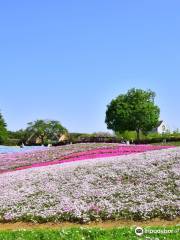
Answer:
(66, 60)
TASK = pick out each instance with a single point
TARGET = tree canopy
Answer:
(133, 111)
(3, 130)
(45, 130)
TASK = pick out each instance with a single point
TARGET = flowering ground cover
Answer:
(68, 153)
(138, 186)
(14, 160)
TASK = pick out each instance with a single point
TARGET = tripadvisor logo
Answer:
(139, 231)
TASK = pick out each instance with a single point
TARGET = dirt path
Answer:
(107, 224)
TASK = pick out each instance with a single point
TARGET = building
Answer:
(161, 128)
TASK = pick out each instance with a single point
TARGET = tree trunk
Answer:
(42, 140)
(138, 134)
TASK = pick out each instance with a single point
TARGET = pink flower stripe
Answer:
(9, 161)
(92, 154)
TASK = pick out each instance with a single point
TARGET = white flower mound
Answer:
(137, 186)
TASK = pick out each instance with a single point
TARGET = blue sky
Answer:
(66, 60)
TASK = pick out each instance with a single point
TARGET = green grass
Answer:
(168, 144)
(88, 234)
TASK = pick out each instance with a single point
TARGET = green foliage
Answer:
(89, 234)
(73, 137)
(45, 130)
(134, 111)
(3, 130)
(126, 135)
(17, 137)
(11, 142)
(16, 134)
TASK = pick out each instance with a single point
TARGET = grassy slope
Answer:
(86, 234)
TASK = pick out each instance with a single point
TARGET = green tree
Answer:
(3, 130)
(133, 111)
(45, 130)
(19, 136)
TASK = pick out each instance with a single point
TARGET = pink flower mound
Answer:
(96, 153)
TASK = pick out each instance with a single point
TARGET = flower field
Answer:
(68, 153)
(112, 182)
(15, 160)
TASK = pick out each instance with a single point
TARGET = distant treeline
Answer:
(16, 138)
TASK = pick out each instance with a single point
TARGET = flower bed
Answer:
(15, 160)
(69, 154)
(136, 186)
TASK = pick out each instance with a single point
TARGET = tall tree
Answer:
(3, 130)
(133, 111)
